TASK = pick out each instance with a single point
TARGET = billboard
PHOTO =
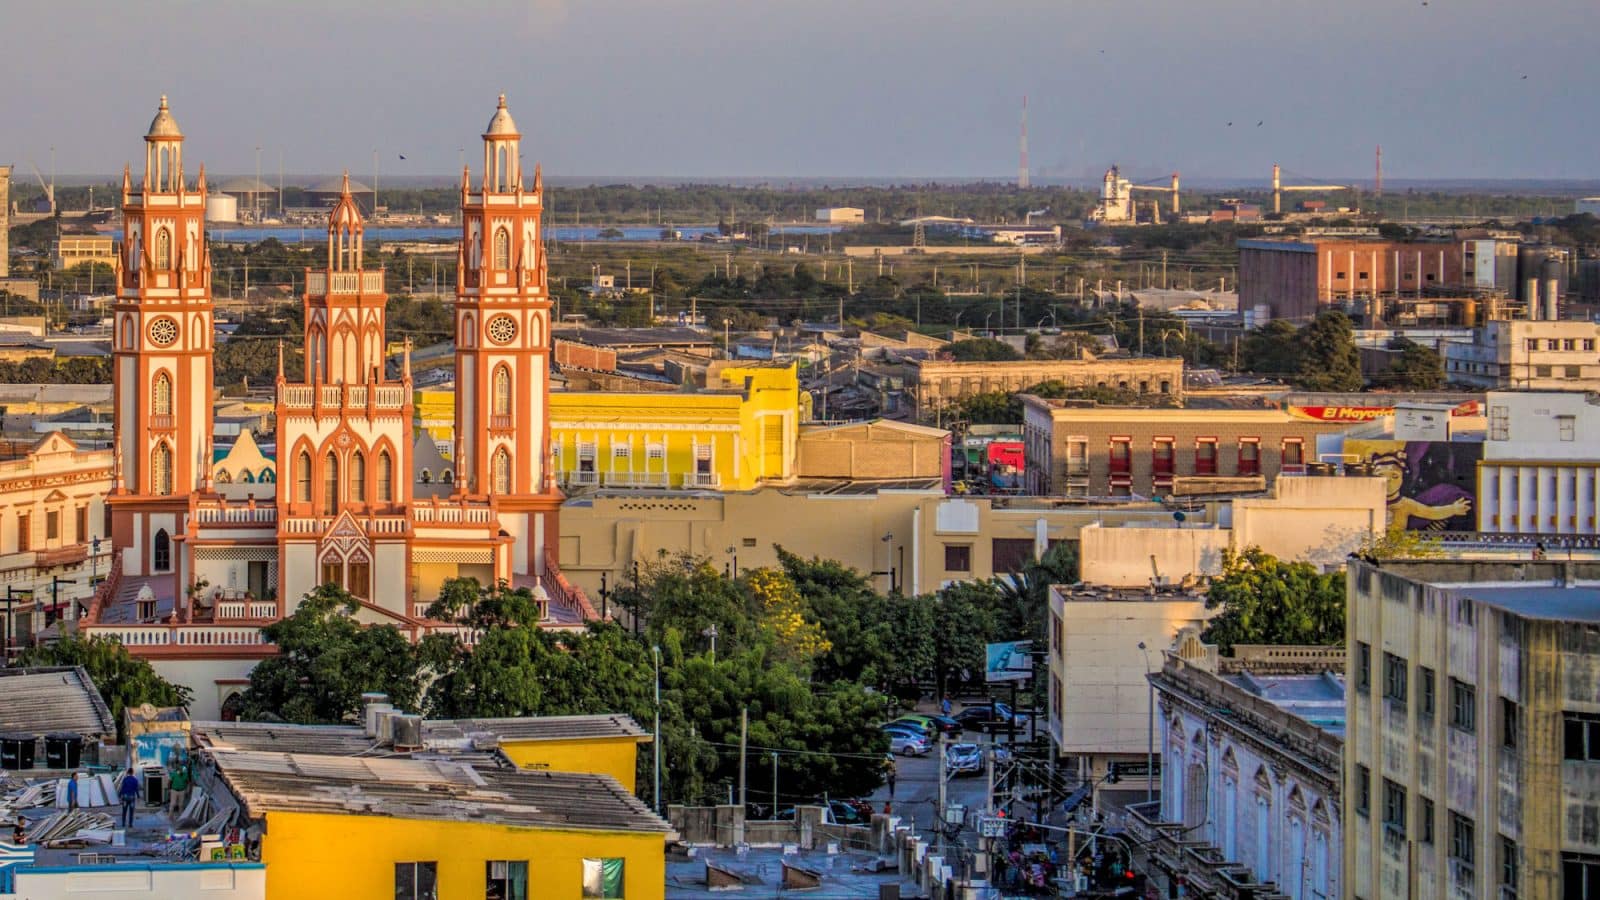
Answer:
(1433, 485)
(1008, 661)
(1365, 413)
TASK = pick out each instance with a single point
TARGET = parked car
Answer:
(923, 724)
(945, 724)
(905, 728)
(904, 744)
(987, 717)
(967, 759)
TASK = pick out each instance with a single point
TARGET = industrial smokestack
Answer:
(1552, 287)
(1530, 293)
(1022, 160)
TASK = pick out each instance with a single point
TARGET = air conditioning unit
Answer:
(407, 732)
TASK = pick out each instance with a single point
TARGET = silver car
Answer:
(903, 744)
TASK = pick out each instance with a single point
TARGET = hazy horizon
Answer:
(889, 91)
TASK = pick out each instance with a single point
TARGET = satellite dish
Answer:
(1179, 517)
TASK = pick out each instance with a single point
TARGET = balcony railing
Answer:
(318, 283)
(702, 479)
(63, 556)
(161, 423)
(241, 514)
(137, 636)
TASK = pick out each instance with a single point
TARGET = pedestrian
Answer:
(128, 793)
(178, 781)
(944, 705)
(72, 792)
(889, 772)
(19, 833)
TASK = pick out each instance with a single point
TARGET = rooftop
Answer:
(352, 740)
(1579, 603)
(45, 700)
(1316, 698)
(431, 790)
(634, 337)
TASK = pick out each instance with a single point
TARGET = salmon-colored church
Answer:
(204, 557)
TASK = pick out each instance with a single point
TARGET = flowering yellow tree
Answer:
(782, 613)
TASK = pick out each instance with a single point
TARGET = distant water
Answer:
(296, 235)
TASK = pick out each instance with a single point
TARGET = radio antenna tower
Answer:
(1022, 161)
(1378, 186)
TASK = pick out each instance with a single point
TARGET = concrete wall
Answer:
(1315, 519)
(131, 879)
(1130, 556)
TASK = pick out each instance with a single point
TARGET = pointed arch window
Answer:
(330, 483)
(161, 395)
(358, 477)
(161, 469)
(502, 391)
(163, 248)
(500, 469)
(385, 477)
(161, 552)
(502, 248)
(302, 477)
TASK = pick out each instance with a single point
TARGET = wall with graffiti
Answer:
(1432, 485)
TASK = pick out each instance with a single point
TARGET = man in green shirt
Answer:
(178, 781)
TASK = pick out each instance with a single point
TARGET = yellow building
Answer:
(733, 436)
(374, 827)
(600, 745)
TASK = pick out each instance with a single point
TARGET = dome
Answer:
(163, 125)
(501, 125)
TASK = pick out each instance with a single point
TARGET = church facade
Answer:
(201, 560)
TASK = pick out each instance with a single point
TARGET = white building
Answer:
(1538, 474)
(1251, 748)
(842, 215)
(1541, 354)
(1099, 704)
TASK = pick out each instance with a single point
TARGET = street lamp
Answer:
(711, 632)
(605, 596)
(1150, 732)
(727, 347)
(655, 653)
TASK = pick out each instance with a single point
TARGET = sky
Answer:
(816, 88)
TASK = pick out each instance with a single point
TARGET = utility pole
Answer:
(1164, 284)
(943, 788)
(744, 732)
(774, 782)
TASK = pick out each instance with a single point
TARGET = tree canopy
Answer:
(1265, 600)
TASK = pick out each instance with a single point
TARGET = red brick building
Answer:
(1296, 279)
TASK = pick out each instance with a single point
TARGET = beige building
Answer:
(77, 249)
(918, 531)
(880, 450)
(1095, 451)
(1099, 702)
(1472, 755)
(937, 383)
(1540, 354)
(52, 509)
(1319, 520)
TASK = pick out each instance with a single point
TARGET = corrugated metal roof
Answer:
(44, 700)
(336, 740)
(539, 728)
(432, 790)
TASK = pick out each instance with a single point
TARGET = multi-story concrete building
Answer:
(1296, 279)
(937, 383)
(1472, 750)
(1102, 644)
(1538, 474)
(1251, 749)
(52, 517)
(1117, 452)
(1541, 354)
(80, 249)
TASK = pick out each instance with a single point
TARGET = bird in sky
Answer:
(402, 156)
(1260, 123)
(1230, 124)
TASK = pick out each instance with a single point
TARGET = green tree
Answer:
(1025, 594)
(1264, 600)
(1271, 350)
(1417, 368)
(1329, 360)
(122, 679)
(326, 660)
(981, 350)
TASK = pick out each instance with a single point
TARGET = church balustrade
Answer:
(242, 514)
